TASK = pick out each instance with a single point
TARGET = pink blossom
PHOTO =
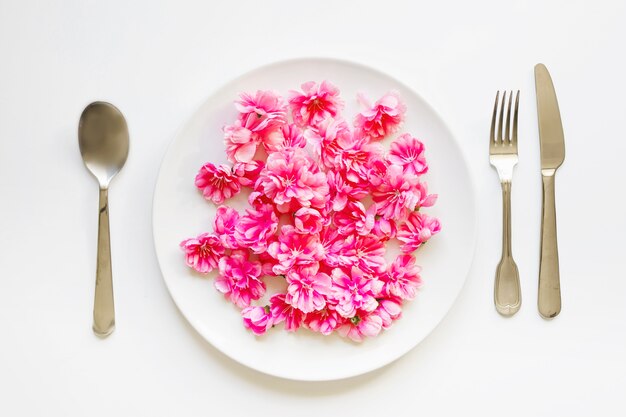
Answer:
(323, 321)
(355, 218)
(224, 225)
(241, 143)
(354, 159)
(417, 230)
(341, 191)
(402, 278)
(331, 250)
(354, 292)
(384, 229)
(365, 252)
(377, 172)
(382, 118)
(295, 249)
(256, 227)
(261, 112)
(202, 253)
(408, 152)
(248, 172)
(288, 136)
(239, 279)
(292, 178)
(361, 326)
(328, 138)
(425, 199)
(308, 220)
(258, 319)
(395, 197)
(307, 289)
(283, 311)
(257, 198)
(389, 309)
(316, 103)
(217, 183)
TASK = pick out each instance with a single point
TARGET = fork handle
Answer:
(507, 292)
(549, 300)
(103, 308)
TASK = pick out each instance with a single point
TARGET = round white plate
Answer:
(180, 211)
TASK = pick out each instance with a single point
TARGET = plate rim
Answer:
(474, 224)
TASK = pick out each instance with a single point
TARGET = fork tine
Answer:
(514, 139)
(501, 118)
(507, 133)
(493, 118)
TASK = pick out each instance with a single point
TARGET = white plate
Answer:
(179, 212)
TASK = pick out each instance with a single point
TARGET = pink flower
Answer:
(388, 310)
(355, 218)
(328, 138)
(361, 326)
(395, 197)
(364, 252)
(323, 321)
(257, 198)
(377, 172)
(257, 319)
(294, 249)
(256, 227)
(293, 178)
(408, 152)
(331, 250)
(288, 136)
(308, 221)
(381, 119)
(262, 112)
(341, 191)
(402, 278)
(241, 143)
(316, 103)
(307, 289)
(283, 311)
(248, 172)
(417, 230)
(354, 292)
(202, 253)
(239, 279)
(217, 183)
(355, 158)
(425, 199)
(224, 225)
(384, 229)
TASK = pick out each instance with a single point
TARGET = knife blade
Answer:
(552, 144)
(551, 136)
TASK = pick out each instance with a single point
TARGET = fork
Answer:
(503, 156)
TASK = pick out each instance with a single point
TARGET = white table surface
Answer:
(157, 61)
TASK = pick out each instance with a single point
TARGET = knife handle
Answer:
(549, 300)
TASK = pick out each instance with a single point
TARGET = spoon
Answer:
(103, 141)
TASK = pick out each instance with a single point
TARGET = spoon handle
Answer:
(103, 308)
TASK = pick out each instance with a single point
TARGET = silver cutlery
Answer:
(552, 144)
(103, 141)
(503, 157)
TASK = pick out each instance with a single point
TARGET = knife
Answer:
(552, 155)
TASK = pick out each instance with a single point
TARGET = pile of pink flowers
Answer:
(325, 198)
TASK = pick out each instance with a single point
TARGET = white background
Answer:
(157, 61)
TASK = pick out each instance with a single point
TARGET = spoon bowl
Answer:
(103, 141)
